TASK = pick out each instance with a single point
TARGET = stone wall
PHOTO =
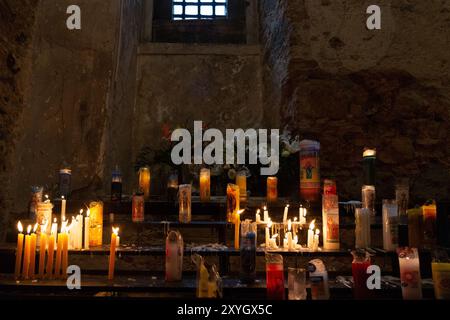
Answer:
(99, 96)
(349, 87)
(67, 114)
(180, 83)
(16, 31)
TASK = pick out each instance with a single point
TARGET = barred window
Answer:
(199, 9)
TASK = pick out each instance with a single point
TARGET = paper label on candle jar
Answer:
(410, 279)
(330, 219)
(332, 225)
(232, 202)
(138, 209)
(441, 279)
(309, 169)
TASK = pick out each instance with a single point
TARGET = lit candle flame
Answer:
(81, 211)
(29, 229)
(62, 197)
(258, 211)
(35, 227)
(312, 225)
(115, 231)
(240, 211)
(265, 208)
(20, 227)
(369, 152)
(55, 220)
(317, 232)
(295, 219)
(88, 213)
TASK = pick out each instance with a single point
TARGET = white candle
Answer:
(54, 229)
(289, 241)
(294, 227)
(86, 230)
(311, 235)
(285, 214)
(258, 216)
(273, 242)
(269, 224)
(63, 208)
(316, 241)
(302, 215)
(72, 234)
(79, 231)
(266, 215)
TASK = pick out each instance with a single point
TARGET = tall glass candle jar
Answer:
(272, 189)
(415, 227)
(96, 224)
(402, 199)
(174, 256)
(369, 159)
(297, 284)
(65, 177)
(329, 187)
(248, 252)
(275, 277)
(116, 185)
(330, 218)
(233, 202)
(361, 261)
(309, 170)
(36, 196)
(241, 181)
(441, 279)
(172, 187)
(44, 213)
(318, 276)
(429, 225)
(144, 181)
(362, 228)
(138, 208)
(184, 202)
(368, 200)
(390, 225)
(410, 273)
(205, 185)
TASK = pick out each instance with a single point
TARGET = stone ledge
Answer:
(198, 49)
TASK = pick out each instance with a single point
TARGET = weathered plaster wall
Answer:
(349, 87)
(177, 84)
(16, 30)
(95, 102)
(66, 114)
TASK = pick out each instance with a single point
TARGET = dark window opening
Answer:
(199, 21)
(199, 9)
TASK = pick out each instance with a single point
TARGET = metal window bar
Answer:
(213, 4)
